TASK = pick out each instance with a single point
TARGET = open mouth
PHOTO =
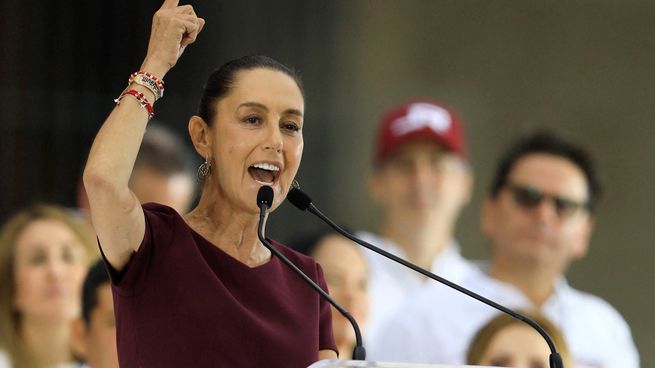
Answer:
(264, 173)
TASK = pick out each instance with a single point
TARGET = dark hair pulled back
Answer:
(220, 82)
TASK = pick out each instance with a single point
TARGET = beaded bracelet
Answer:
(154, 84)
(139, 96)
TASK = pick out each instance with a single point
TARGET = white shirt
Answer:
(390, 283)
(438, 325)
(4, 361)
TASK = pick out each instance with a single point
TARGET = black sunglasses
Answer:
(530, 197)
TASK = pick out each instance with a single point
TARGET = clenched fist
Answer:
(173, 29)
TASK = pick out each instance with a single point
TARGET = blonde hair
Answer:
(485, 335)
(10, 339)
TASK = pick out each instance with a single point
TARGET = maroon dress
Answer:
(183, 302)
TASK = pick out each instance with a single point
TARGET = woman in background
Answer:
(507, 342)
(44, 255)
(346, 275)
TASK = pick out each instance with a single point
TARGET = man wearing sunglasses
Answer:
(538, 218)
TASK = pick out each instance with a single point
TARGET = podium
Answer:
(335, 363)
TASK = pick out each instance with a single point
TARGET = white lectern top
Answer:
(335, 363)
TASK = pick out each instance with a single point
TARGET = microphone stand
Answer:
(303, 202)
(264, 201)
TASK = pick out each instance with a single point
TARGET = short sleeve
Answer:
(159, 231)
(625, 352)
(326, 335)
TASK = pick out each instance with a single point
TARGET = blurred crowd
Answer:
(56, 303)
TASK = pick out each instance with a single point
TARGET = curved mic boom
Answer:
(304, 203)
(264, 202)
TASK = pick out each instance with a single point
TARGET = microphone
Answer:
(304, 203)
(264, 202)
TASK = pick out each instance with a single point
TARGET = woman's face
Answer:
(346, 275)
(257, 137)
(50, 265)
(517, 346)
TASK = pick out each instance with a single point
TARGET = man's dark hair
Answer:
(547, 142)
(96, 277)
(164, 152)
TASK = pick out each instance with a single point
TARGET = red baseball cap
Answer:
(420, 119)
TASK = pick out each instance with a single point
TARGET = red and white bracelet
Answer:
(151, 82)
(143, 101)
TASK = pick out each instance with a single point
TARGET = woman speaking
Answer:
(200, 290)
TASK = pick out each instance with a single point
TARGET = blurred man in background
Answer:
(538, 217)
(94, 334)
(163, 171)
(421, 180)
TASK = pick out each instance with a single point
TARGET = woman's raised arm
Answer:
(115, 211)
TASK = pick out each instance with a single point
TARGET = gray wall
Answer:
(586, 68)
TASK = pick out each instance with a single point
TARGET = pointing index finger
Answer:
(169, 4)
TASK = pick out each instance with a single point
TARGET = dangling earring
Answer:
(204, 169)
(295, 184)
